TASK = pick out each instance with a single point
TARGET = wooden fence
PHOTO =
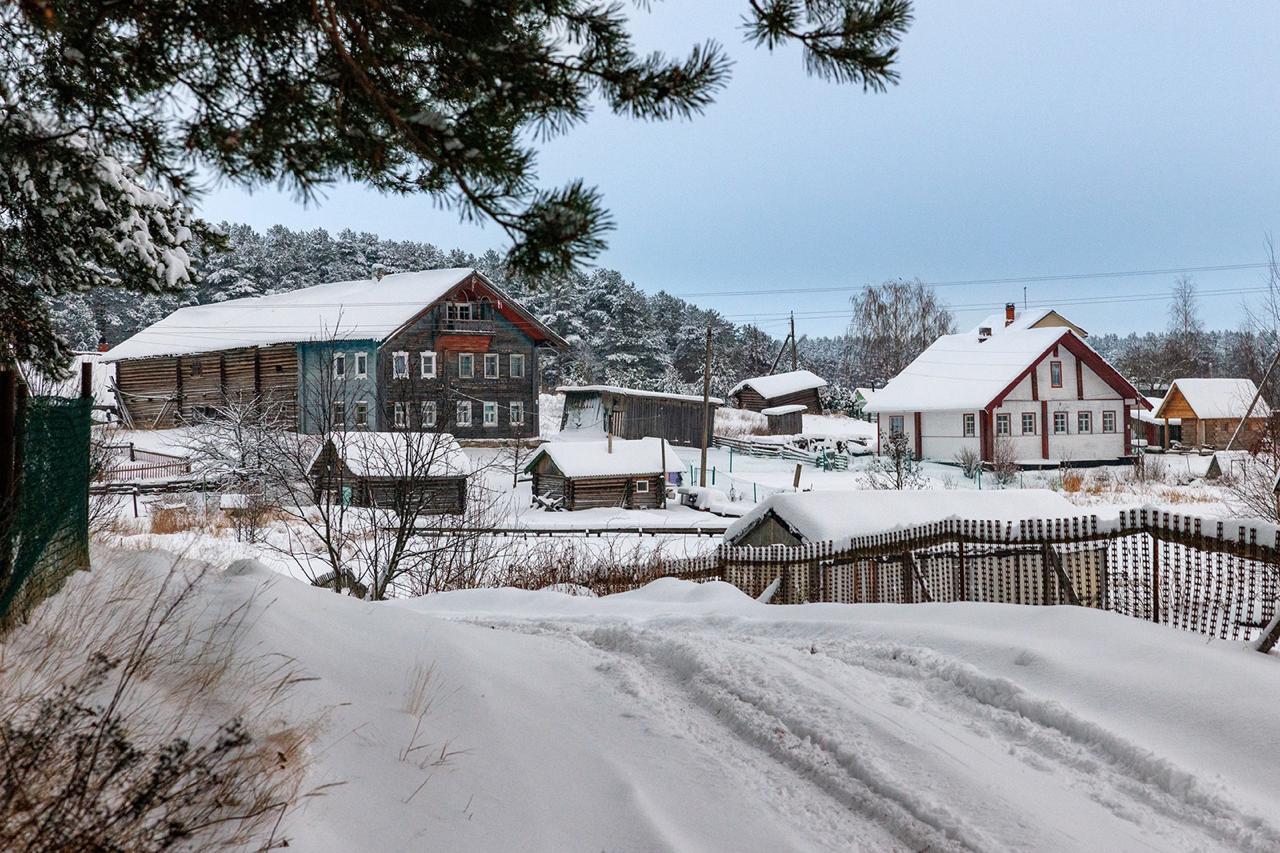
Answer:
(143, 465)
(1219, 578)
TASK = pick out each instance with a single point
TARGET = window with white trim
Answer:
(1059, 422)
(400, 419)
(340, 365)
(1003, 424)
(400, 365)
(970, 424)
(1084, 421)
(464, 413)
(1108, 421)
(491, 365)
(517, 365)
(362, 414)
(466, 365)
(491, 414)
(362, 365)
(339, 414)
(1028, 423)
(460, 311)
(427, 364)
(642, 487)
(428, 414)
(516, 411)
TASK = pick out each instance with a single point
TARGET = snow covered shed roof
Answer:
(781, 384)
(593, 459)
(366, 310)
(969, 372)
(1216, 398)
(633, 392)
(839, 517)
(774, 411)
(398, 454)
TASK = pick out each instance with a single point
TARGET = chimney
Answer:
(103, 346)
(1009, 309)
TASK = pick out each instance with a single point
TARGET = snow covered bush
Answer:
(896, 467)
(969, 461)
(1004, 461)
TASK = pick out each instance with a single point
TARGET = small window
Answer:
(429, 413)
(197, 367)
(642, 486)
(400, 365)
(400, 416)
(491, 365)
(1059, 422)
(970, 424)
(362, 414)
(464, 413)
(895, 425)
(1055, 374)
(1108, 421)
(362, 365)
(1028, 423)
(1003, 424)
(1084, 422)
(340, 365)
(516, 409)
(517, 365)
(339, 413)
(491, 414)
(460, 311)
(427, 364)
(466, 365)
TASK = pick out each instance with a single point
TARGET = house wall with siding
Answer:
(320, 387)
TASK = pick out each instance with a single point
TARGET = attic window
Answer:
(984, 332)
(460, 311)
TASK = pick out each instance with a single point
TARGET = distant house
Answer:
(861, 396)
(425, 471)
(785, 420)
(1211, 409)
(780, 389)
(607, 473)
(1028, 383)
(630, 413)
(429, 351)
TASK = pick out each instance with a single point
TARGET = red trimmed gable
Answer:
(476, 287)
(1084, 354)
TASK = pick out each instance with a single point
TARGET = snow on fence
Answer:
(143, 465)
(1218, 578)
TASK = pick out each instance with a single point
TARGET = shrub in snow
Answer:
(896, 467)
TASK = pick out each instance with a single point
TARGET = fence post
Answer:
(1155, 579)
(908, 580)
(962, 579)
(1046, 573)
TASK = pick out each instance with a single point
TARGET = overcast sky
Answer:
(1025, 139)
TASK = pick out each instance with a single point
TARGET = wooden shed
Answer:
(630, 413)
(785, 420)
(422, 472)
(781, 389)
(1211, 409)
(607, 473)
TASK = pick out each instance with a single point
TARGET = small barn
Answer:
(1152, 432)
(426, 472)
(630, 413)
(780, 389)
(607, 473)
(785, 420)
(1210, 410)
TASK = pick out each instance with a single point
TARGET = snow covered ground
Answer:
(685, 717)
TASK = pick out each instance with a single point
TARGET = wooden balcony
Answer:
(465, 327)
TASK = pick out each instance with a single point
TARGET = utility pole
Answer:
(706, 409)
(662, 443)
(1254, 401)
(795, 359)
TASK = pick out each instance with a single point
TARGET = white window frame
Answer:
(1084, 422)
(340, 365)
(362, 414)
(457, 309)
(1066, 423)
(515, 411)
(401, 416)
(464, 413)
(362, 365)
(1032, 417)
(517, 358)
(1109, 415)
(423, 358)
(1006, 419)
(969, 425)
(496, 360)
(339, 413)
(642, 487)
(471, 365)
(489, 415)
(429, 413)
(398, 358)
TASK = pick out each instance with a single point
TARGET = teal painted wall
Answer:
(317, 384)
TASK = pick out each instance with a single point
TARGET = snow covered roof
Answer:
(1023, 320)
(593, 459)
(774, 411)
(1218, 398)
(842, 516)
(399, 454)
(634, 392)
(864, 393)
(781, 384)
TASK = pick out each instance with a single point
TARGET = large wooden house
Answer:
(631, 413)
(438, 350)
(794, 387)
(606, 473)
(1209, 410)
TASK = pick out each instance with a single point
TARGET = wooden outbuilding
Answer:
(424, 472)
(630, 413)
(576, 475)
(1211, 409)
(785, 420)
(781, 389)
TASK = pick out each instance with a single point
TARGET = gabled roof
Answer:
(781, 384)
(966, 372)
(366, 310)
(1216, 398)
(632, 457)
(633, 392)
(1035, 318)
(398, 454)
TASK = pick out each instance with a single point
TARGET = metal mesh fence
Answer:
(44, 518)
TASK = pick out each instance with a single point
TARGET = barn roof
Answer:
(1217, 398)
(781, 384)
(845, 515)
(634, 392)
(398, 454)
(367, 310)
(593, 459)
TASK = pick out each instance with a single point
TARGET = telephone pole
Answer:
(795, 358)
(706, 408)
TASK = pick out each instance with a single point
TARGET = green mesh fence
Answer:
(44, 534)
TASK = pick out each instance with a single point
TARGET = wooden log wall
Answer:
(593, 492)
(750, 399)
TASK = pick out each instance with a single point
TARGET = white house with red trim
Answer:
(1027, 378)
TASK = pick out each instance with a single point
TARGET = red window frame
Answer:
(1055, 374)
